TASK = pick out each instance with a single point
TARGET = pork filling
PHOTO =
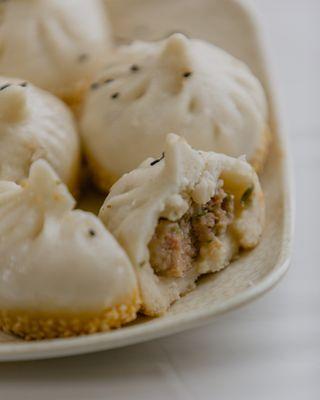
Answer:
(175, 246)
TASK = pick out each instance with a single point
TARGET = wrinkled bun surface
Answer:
(180, 85)
(35, 124)
(61, 272)
(56, 44)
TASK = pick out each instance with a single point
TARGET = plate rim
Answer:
(21, 351)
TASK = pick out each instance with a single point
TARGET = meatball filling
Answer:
(175, 246)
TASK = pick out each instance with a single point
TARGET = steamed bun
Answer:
(56, 44)
(61, 272)
(182, 215)
(180, 85)
(35, 124)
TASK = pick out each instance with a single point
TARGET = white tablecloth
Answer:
(267, 350)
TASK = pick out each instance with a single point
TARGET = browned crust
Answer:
(39, 325)
(74, 180)
(259, 158)
(74, 97)
(102, 179)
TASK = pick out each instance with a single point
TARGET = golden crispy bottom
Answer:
(74, 97)
(259, 158)
(40, 325)
(74, 181)
(102, 179)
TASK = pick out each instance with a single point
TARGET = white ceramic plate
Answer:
(231, 25)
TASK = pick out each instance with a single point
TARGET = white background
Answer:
(267, 350)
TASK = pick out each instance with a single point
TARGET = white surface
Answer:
(271, 348)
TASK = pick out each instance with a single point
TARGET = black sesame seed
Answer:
(92, 232)
(158, 160)
(94, 85)
(134, 68)
(115, 95)
(5, 86)
(187, 74)
(24, 84)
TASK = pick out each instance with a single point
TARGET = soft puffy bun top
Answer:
(180, 85)
(35, 124)
(56, 44)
